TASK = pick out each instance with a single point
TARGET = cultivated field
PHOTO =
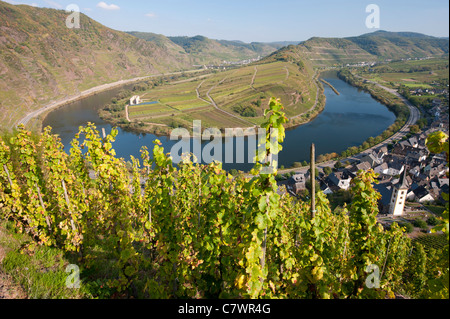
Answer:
(412, 73)
(234, 98)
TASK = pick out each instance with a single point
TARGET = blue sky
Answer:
(261, 20)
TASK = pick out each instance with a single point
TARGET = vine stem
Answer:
(43, 207)
(264, 248)
(7, 173)
(387, 255)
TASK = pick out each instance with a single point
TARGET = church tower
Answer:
(398, 199)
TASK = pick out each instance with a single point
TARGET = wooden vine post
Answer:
(313, 181)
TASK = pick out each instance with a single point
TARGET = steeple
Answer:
(399, 192)
(403, 183)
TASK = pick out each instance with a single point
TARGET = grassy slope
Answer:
(41, 60)
(29, 271)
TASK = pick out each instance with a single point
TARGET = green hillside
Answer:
(399, 45)
(380, 45)
(41, 60)
(205, 50)
(202, 50)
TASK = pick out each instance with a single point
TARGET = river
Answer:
(348, 120)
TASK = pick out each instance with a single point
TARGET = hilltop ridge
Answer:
(203, 50)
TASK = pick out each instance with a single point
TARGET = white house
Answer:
(443, 181)
(135, 100)
(341, 180)
(410, 195)
(381, 169)
(395, 168)
(414, 142)
(325, 188)
(422, 195)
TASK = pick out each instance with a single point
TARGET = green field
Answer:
(136, 111)
(249, 87)
(413, 73)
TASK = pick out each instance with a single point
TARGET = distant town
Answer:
(227, 64)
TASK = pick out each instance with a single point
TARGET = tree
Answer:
(420, 224)
(408, 227)
(316, 173)
(432, 221)
(414, 129)
(422, 123)
(327, 170)
(338, 165)
(308, 186)
(296, 165)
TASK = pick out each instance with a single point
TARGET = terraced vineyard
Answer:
(234, 98)
(435, 241)
(137, 111)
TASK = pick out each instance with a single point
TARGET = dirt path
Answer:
(198, 93)
(317, 98)
(126, 113)
(254, 78)
(223, 111)
(287, 74)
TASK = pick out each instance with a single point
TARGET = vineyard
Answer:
(213, 97)
(433, 241)
(194, 231)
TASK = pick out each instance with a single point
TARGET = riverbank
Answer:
(331, 87)
(41, 113)
(353, 154)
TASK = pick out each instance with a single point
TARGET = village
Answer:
(409, 180)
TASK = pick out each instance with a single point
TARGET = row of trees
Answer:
(194, 231)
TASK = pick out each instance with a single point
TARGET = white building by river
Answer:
(135, 100)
